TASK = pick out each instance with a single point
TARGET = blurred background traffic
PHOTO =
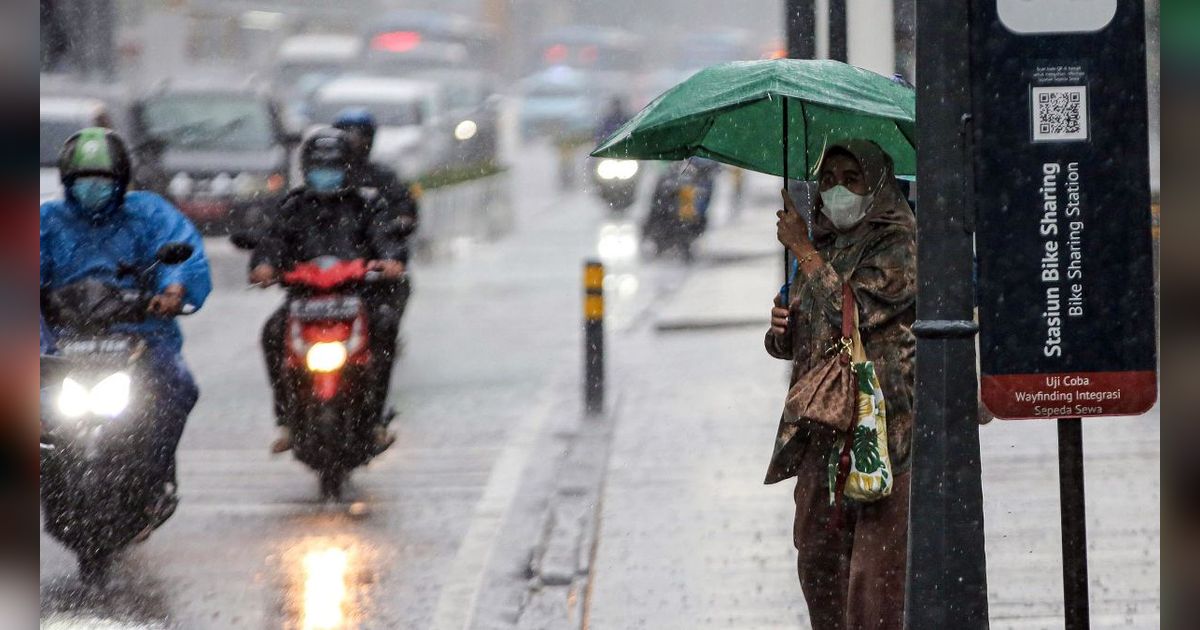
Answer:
(213, 95)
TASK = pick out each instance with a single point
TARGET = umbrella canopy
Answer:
(738, 113)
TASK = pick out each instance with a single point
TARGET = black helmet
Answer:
(325, 147)
(95, 151)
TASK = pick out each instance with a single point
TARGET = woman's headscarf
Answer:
(888, 205)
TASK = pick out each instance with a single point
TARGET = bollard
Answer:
(593, 336)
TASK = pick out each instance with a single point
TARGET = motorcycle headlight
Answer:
(111, 396)
(326, 356)
(73, 398)
(616, 169)
(107, 398)
(607, 169)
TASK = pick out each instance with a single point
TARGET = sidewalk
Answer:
(690, 538)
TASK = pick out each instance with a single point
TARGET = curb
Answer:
(560, 567)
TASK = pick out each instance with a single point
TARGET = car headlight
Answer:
(626, 169)
(107, 398)
(251, 185)
(180, 185)
(466, 130)
(221, 185)
(326, 356)
(247, 185)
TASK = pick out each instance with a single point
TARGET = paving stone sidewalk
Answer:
(689, 537)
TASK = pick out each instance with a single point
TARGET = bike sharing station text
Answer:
(1065, 265)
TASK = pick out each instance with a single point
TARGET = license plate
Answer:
(311, 309)
(98, 345)
(204, 210)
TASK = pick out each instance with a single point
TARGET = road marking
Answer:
(460, 590)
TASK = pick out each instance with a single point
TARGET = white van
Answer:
(412, 136)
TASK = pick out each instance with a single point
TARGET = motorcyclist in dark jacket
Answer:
(327, 216)
(373, 178)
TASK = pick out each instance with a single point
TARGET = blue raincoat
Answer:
(74, 247)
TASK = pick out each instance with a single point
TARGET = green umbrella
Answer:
(775, 116)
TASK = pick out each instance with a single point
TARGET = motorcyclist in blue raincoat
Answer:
(97, 229)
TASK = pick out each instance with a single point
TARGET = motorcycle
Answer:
(100, 487)
(616, 181)
(679, 208)
(331, 406)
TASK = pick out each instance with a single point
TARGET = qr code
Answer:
(1060, 113)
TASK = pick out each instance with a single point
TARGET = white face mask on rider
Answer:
(844, 208)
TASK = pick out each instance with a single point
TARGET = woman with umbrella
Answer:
(863, 234)
(783, 117)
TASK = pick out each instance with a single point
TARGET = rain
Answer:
(451, 314)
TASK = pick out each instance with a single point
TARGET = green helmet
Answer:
(94, 151)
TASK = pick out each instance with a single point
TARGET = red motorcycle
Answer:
(327, 368)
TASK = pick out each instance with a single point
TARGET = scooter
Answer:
(100, 489)
(616, 181)
(330, 407)
(679, 209)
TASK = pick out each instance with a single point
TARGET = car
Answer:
(59, 118)
(222, 151)
(414, 135)
(472, 112)
(560, 102)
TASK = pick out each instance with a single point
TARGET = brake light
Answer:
(396, 41)
(555, 54)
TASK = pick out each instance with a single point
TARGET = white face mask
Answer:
(844, 208)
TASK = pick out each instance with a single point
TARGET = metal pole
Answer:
(593, 336)
(837, 30)
(799, 20)
(1074, 527)
(947, 576)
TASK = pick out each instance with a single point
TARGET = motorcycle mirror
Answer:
(243, 240)
(174, 253)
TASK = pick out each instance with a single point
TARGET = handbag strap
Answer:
(850, 332)
(848, 310)
(839, 488)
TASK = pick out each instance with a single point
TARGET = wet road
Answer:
(491, 353)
